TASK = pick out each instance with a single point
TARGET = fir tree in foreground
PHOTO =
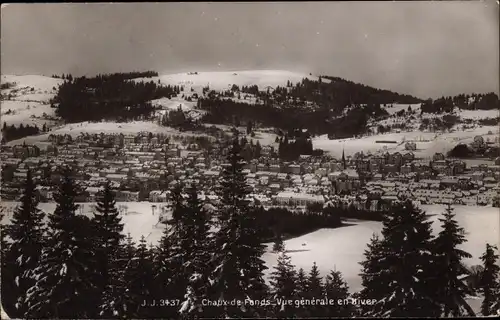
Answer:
(179, 235)
(117, 299)
(371, 274)
(197, 270)
(67, 272)
(314, 290)
(238, 265)
(301, 289)
(404, 283)
(336, 288)
(108, 229)
(284, 286)
(489, 282)
(452, 290)
(26, 235)
(138, 275)
(171, 257)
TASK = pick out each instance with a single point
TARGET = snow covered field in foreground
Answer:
(341, 248)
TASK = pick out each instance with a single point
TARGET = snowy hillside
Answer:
(27, 99)
(27, 102)
(223, 80)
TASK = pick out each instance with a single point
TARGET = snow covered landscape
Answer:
(340, 249)
(211, 160)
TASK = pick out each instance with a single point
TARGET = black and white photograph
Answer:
(250, 160)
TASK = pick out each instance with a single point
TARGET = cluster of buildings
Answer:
(145, 166)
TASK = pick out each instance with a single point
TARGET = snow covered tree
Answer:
(138, 274)
(301, 289)
(238, 264)
(26, 235)
(198, 226)
(315, 290)
(371, 273)
(108, 228)
(169, 274)
(67, 272)
(116, 298)
(180, 232)
(449, 268)
(489, 282)
(284, 286)
(405, 282)
(336, 288)
(301, 283)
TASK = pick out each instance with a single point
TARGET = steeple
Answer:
(343, 160)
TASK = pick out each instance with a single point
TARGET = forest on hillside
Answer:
(108, 97)
(488, 101)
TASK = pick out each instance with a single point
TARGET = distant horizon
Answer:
(257, 70)
(426, 49)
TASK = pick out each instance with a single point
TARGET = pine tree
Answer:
(169, 273)
(26, 234)
(452, 291)
(238, 266)
(164, 274)
(301, 289)
(67, 272)
(284, 286)
(371, 274)
(116, 298)
(199, 259)
(138, 275)
(301, 283)
(108, 228)
(315, 290)
(405, 282)
(489, 283)
(180, 228)
(336, 288)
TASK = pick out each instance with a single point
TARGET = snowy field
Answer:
(223, 80)
(478, 114)
(29, 99)
(341, 248)
(173, 104)
(35, 81)
(427, 143)
(396, 107)
(15, 112)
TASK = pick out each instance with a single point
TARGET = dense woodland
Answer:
(108, 97)
(331, 105)
(82, 267)
(342, 108)
(12, 132)
(488, 101)
(339, 109)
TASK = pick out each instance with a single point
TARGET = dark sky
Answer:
(424, 48)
